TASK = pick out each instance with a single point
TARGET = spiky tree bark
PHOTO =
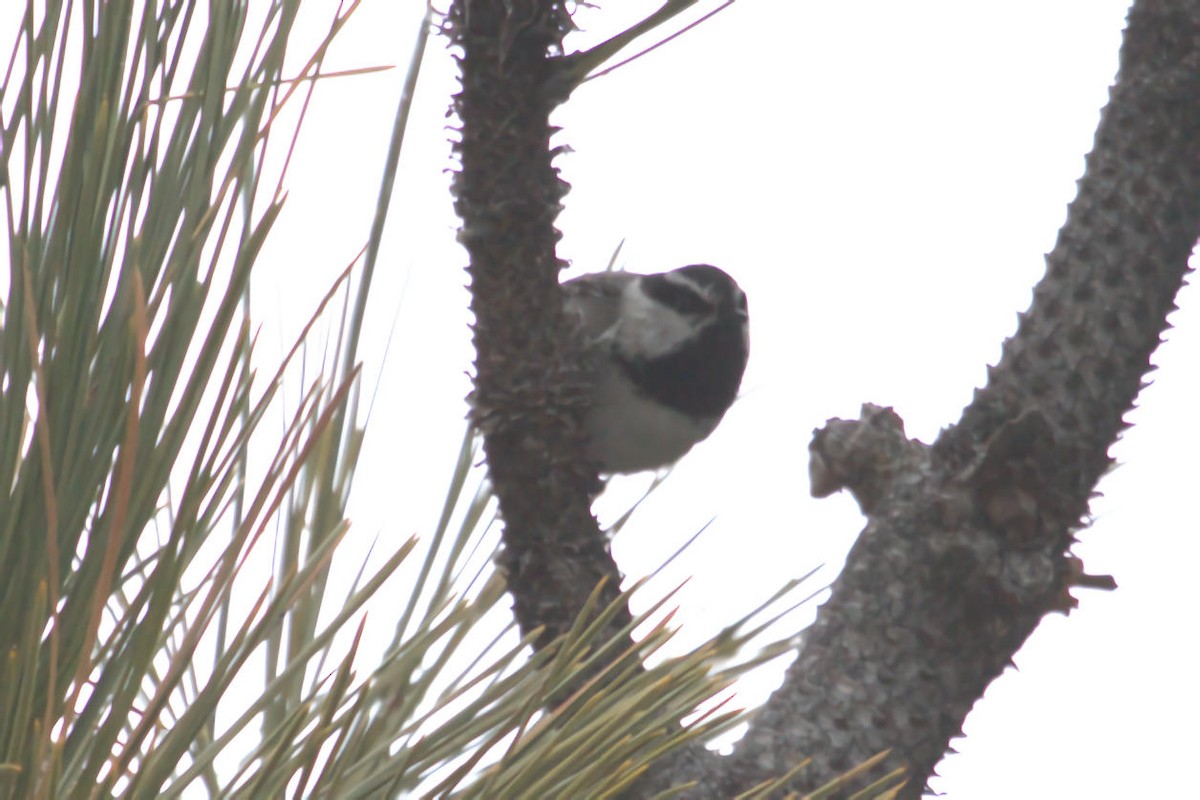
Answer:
(968, 541)
(528, 397)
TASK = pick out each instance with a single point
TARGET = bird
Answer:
(664, 356)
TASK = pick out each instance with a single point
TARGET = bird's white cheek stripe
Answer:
(648, 328)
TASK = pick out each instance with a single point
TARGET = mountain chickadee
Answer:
(666, 352)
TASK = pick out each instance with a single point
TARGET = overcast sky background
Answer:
(883, 179)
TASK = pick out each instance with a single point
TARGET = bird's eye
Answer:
(680, 297)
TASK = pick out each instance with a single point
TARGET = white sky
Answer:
(883, 179)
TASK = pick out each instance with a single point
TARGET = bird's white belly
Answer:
(630, 433)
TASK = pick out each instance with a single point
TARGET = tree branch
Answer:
(529, 396)
(966, 547)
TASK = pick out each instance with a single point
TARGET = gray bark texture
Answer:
(528, 397)
(967, 544)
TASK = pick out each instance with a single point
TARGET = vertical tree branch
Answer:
(529, 395)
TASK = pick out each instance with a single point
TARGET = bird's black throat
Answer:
(700, 379)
